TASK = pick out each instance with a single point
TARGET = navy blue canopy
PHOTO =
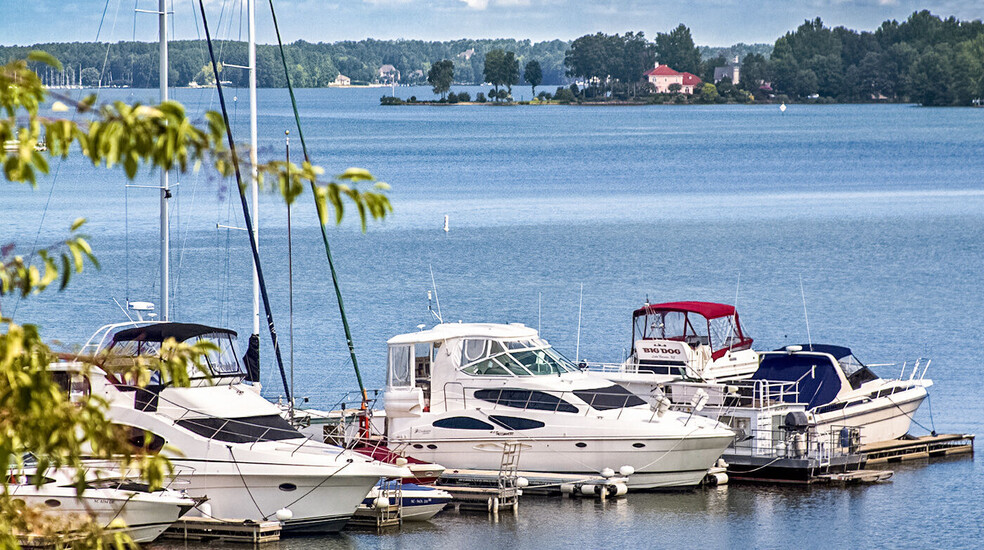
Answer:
(839, 352)
(817, 375)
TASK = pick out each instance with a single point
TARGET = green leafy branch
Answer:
(56, 263)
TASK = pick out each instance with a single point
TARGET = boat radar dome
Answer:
(794, 349)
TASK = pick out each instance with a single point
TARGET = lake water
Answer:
(876, 210)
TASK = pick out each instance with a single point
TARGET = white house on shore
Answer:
(342, 80)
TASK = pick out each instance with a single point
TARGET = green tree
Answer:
(676, 49)
(440, 77)
(708, 92)
(533, 75)
(39, 417)
(90, 76)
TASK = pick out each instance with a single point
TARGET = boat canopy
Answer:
(146, 340)
(158, 332)
(815, 374)
(854, 370)
(696, 323)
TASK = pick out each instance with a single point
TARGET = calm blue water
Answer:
(879, 210)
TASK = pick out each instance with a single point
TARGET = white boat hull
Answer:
(882, 419)
(146, 515)
(318, 501)
(661, 463)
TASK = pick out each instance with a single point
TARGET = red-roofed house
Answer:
(690, 83)
(662, 77)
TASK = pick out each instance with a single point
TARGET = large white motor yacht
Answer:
(227, 443)
(457, 392)
(840, 391)
(683, 340)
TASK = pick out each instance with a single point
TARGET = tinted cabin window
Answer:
(526, 399)
(462, 423)
(516, 423)
(612, 397)
(242, 430)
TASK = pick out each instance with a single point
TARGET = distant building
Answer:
(342, 80)
(731, 70)
(388, 73)
(690, 83)
(661, 77)
(467, 54)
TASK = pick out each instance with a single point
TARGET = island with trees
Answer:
(924, 59)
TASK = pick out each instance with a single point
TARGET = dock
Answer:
(918, 448)
(215, 530)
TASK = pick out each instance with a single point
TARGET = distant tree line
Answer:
(135, 64)
(924, 59)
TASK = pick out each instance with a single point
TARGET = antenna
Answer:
(805, 315)
(539, 298)
(577, 347)
(734, 326)
(439, 316)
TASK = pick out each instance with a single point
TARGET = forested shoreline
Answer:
(925, 59)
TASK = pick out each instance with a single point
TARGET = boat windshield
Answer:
(533, 357)
(719, 333)
(221, 361)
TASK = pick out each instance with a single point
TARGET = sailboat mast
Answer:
(253, 186)
(165, 191)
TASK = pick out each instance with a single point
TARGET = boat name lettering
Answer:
(668, 351)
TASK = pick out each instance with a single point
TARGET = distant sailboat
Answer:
(446, 227)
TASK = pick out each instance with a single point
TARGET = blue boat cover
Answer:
(817, 375)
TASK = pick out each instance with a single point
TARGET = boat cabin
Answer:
(145, 341)
(427, 369)
(685, 338)
(821, 371)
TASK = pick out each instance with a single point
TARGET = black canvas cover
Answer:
(252, 359)
(158, 332)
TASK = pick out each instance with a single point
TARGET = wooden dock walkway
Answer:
(925, 447)
(209, 530)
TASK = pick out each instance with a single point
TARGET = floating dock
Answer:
(215, 530)
(918, 448)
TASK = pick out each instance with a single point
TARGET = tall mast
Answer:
(165, 191)
(254, 192)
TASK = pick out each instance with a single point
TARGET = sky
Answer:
(712, 22)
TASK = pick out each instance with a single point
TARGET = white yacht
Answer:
(227, 443)
(108, 501)
(457, 392)
(683, 340)
(839, 390)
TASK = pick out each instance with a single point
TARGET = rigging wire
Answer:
(246, 214)
(320, 210)
(61, 162)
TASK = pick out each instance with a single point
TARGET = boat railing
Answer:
(823, 446)
(746, 394)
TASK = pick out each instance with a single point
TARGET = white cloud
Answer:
(484, 4)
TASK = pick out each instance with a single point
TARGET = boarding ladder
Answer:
(508, 468)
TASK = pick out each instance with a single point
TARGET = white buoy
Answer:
(782, 107)
(626, 470)
(607, 473)
(401, 461)
(381, 502)
(284, 514)
(446, 227)
(206, 509)
(522, 482)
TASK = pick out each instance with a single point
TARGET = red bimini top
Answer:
(710, 310)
